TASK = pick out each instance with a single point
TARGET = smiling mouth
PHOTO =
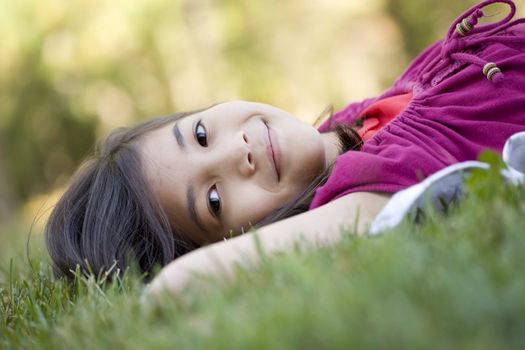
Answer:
(271, 153)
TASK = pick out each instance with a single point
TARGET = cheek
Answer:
(305, 139)
(257, 208)
(251, 204)
(306, 161)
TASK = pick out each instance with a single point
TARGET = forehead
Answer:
(156, 152)
(166, 170)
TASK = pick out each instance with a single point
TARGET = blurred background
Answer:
(71, 70)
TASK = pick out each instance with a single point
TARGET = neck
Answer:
(332, 147)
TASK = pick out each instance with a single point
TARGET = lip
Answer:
(273, 151)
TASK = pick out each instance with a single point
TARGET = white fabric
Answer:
(514, 157)
(447, 185)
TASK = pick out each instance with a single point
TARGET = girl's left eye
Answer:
(214, 201)
(201, 135)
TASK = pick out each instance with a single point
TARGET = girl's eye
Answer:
(214, 201)
(201, 135)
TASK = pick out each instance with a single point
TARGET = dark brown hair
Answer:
(108, 219)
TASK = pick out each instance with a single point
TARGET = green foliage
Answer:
(451, 282)
(425, 21)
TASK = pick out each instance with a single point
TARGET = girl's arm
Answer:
(321, 226)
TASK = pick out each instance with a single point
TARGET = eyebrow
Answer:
(178, 135)
(190, 196)
(190, 193)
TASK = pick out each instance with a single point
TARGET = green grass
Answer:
(453, 282)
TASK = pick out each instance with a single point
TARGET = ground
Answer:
(451, 282)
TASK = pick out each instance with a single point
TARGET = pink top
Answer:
(456, 110)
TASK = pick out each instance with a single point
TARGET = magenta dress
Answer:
(468, 96)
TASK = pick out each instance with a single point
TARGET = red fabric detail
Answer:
(380, 113)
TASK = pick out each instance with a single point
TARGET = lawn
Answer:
(451, 282)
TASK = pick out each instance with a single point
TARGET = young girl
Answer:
(168, 186)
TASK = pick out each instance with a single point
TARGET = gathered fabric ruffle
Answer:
(468, 96)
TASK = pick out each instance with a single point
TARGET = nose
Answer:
(234, 156)
(242, 154)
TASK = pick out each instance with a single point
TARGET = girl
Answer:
(168, 186)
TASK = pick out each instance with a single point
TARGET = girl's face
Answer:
(218, 171)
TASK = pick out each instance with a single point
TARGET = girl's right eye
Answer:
(201, 135)
(214, 202)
